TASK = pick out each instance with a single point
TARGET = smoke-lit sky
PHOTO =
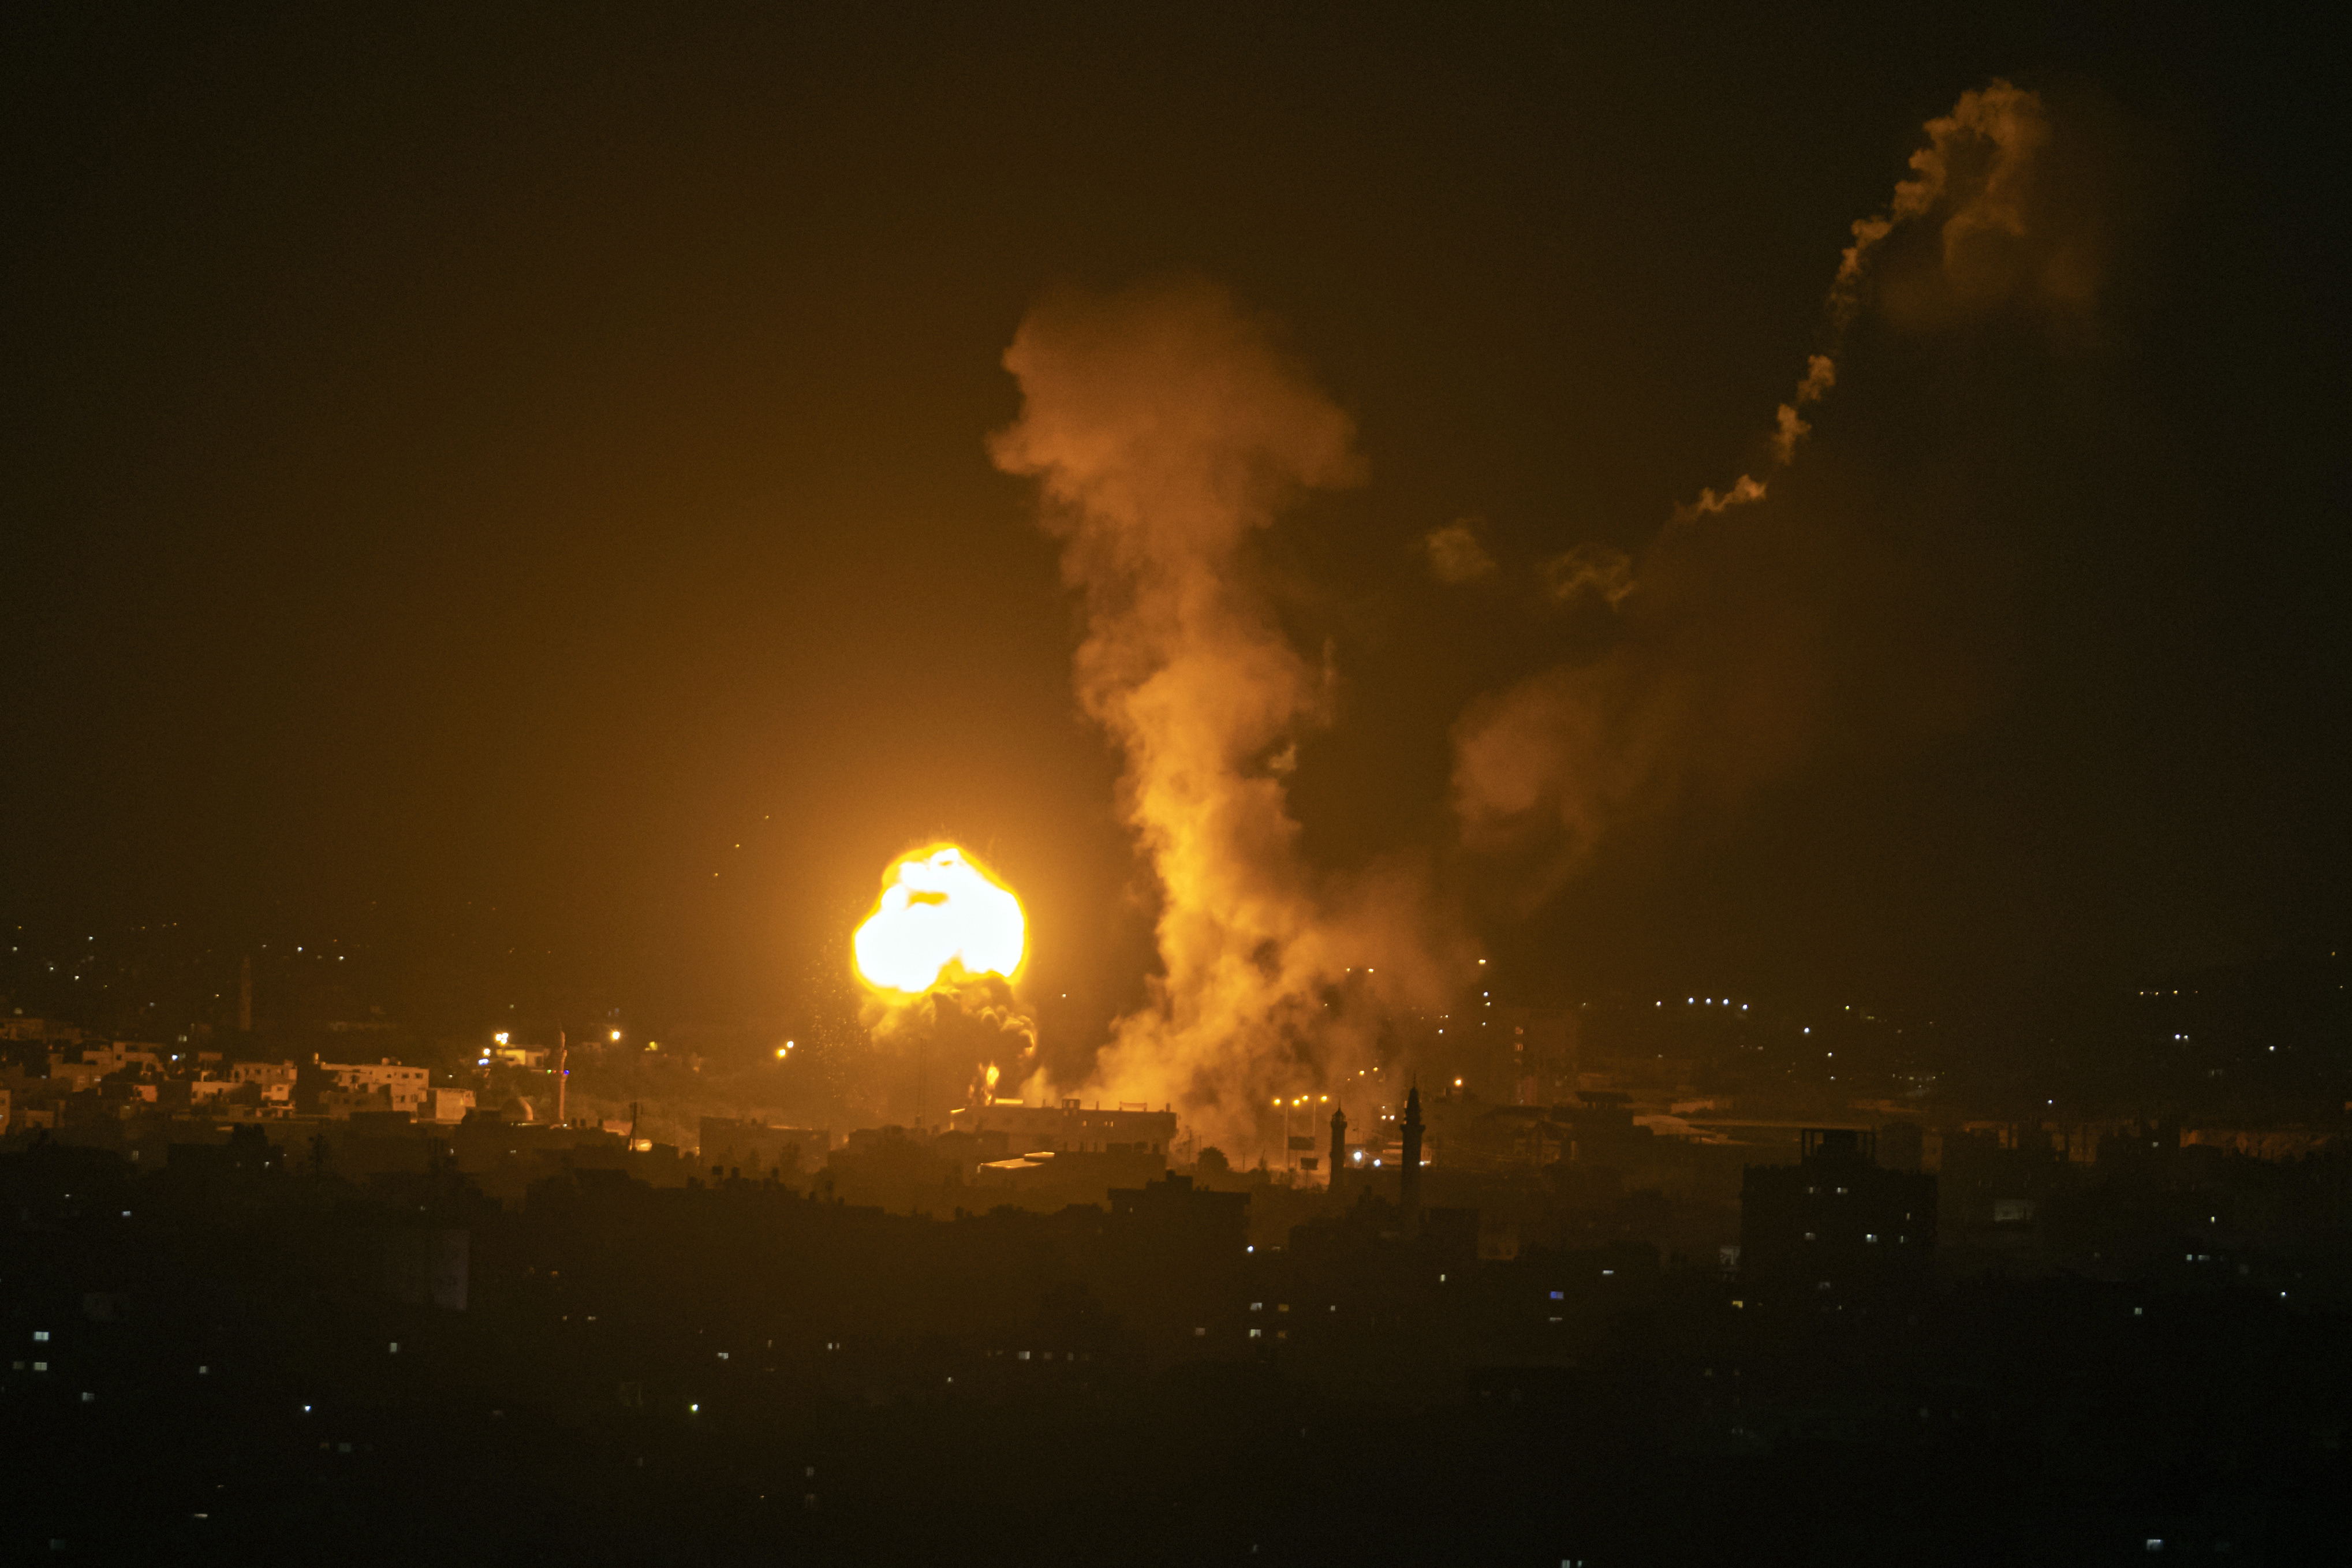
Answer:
(471, 477)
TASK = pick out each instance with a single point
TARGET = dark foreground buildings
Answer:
(256, 1350)
(1834, 1230)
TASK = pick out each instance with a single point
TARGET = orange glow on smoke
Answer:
(940, 917)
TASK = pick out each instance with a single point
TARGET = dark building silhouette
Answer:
(1339, 1139)
(1835, 1228)
(1409, 1193)
(1170, 1261)
(1902, 1146)
(756, 1148)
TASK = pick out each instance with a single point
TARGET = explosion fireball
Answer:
(940, 916)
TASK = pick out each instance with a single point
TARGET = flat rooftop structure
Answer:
(1069, 1127)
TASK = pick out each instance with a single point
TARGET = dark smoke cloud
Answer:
(1718, 677)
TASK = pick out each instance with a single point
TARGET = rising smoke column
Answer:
(1165, 429)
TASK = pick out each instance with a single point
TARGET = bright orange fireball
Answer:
(939, 913)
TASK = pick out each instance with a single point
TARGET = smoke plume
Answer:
(1165, 430)
(1455, 555)
(1716, 680)
(1593, 570)
(1982, 174)
(1981, 171)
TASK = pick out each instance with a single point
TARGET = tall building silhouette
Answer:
(1411, 1193)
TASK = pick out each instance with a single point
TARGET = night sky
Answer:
(466, 478)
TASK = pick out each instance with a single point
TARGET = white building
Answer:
(446, 1105)
(123, 1054)
(405, 1085)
